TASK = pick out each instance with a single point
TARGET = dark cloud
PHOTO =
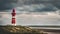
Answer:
(47, 7)
(55, 4)
(7, 4)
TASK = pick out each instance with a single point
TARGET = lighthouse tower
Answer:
(13, 17)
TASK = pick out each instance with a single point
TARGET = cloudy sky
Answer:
(30, 12)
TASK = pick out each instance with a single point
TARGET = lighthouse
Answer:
(13, 17)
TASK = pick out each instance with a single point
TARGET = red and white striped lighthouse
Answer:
(13, 17)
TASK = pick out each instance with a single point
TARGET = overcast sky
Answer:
(45, 5)
(31, 12)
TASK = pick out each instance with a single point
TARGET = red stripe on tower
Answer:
(13, 12)
(13, 20)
